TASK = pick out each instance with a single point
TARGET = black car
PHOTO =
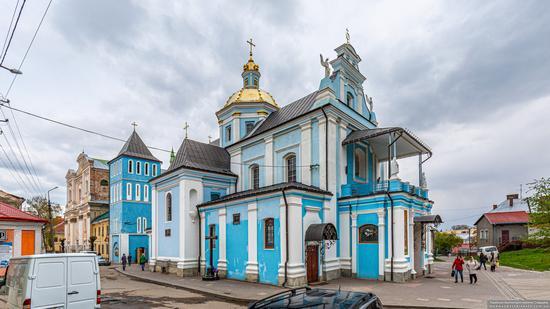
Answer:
(319, 298)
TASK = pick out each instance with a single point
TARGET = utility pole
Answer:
(469, 242)
(51, 242)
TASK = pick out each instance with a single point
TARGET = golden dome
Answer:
(251, 95)
(251, 65)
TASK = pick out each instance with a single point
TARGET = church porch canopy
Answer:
(321, 232)
(435, 219)
(406, 143)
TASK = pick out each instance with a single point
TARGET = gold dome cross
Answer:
(251, 45)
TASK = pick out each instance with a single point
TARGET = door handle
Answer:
(72, 293)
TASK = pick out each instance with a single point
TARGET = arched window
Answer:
(146, 168)
(138, 192)
(138, 168)
(269, 233)
(146, 193)
(154, 170)
(138, 225)
(169, 207)
(368, 233)
(360, 163)
(144, 222)
(255, 82)
(254, 176)
(104, 182)
(130, 166)
(349, 100)
(128, 191)
(290, 164)
(245, 82)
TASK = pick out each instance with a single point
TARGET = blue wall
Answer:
(137, 241)
(367, 254)
(211, 217)
(283, 144)
(168, 246)
(268, 259)
(237, 243)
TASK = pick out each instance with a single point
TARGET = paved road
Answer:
(120, 291)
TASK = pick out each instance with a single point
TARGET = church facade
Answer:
(297, 194)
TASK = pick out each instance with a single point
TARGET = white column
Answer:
(344, 239)
(268, 169)
(411, 240)
(399, 234)
(236, 168)
(154, 226)
(222, 261)
(296, 267)
(322, 153)
(203, 234)
(330, 211)
(37, 240)
(252, 263)
(305, 150)
(236, 129)
(343, 158)
(381, 242)
(17, 243)
(181, 220)
(353, 244)
(282, 237)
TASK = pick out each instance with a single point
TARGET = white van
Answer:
(67, 280)
(487, 250)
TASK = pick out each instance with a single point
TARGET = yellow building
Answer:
(100, 230)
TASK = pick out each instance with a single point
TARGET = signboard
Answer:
(3, 235)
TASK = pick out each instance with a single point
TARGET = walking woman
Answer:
(493, 260)
(123, 260)
(472, 267)
(458, 268)
(482, 261)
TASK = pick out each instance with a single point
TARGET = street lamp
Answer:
(50, 215)
(14, 71)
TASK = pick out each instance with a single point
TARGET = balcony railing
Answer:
(383, 186)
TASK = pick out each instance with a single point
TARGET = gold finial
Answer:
(134, 124)
(185, 127)
(347, 36)
(250, 65)
(251, 45)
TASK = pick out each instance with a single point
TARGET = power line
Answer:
(9, 28)
(15, 169)
(13, 31)
(31, 181)
(13, 176)
(73, 126)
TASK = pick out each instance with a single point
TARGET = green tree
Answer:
(445, 242)
(38, 206)
(539, 218)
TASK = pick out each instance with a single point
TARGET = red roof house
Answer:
(8, 213)
(507, 217)
(20, 232)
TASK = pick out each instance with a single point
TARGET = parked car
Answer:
(66, 280)
(319, 298)
(101, 261)
(487, 250)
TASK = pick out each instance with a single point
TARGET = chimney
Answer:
(511, 197)
(494, 206)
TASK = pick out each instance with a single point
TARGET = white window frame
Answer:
(146, 169)
(146, 193)
(154, 170)
(128, 191)
(286, 166)
(166, 207)
(138, 168)
(138, 192)
(120, 191)
(364, 164)
(251, 173)
(130, 166)
(144, 223)
(138, 225)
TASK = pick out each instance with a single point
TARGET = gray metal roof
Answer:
(264, 190)
(428, 219)
(517, 205)
(201, 156)
(135, 147)
(320, 232)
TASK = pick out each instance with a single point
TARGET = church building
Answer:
(297, 194)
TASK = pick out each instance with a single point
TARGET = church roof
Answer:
(201, 156)
(135, 147)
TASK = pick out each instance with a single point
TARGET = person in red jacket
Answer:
(458, 268)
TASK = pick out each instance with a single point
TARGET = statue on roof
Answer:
(394, 169)
(371, 103)
(325, 63)
(423, 182)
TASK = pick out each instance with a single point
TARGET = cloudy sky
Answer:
(470, 78)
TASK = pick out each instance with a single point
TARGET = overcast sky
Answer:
(471, 79)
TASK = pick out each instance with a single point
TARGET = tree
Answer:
(38, 206)
(445, 242)
(539, 218)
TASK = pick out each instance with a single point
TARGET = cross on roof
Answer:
(251, 45)
(134, 124)
(347, 36)
(185, 127)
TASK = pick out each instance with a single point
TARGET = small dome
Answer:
(251, 95)
(251, 65)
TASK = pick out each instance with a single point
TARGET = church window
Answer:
(138, 192)
(104, 182)
(290, 162)
(254, 176)
(349, 100)
(144, 222)
(138, 168)
(269, 233)
(360, 160)
(130, 166)
(228, 133)
(138, 225)
(255, 81)
(215, 196)
(168, 232)
(154, 170)
(169, 207)
(246, 82)
(368, 233)
(146, 169)
(249, 126)
(129, 192)
(237, 219)
(146, 193)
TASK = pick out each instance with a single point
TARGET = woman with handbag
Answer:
(457, 268)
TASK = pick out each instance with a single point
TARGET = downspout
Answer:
(391, 206)
(286, 239)
(200, 242)
(326, 147)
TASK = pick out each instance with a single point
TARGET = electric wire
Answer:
(31, 180)
(9, 28)
(13, 31)
(15, 169)
(4, 165)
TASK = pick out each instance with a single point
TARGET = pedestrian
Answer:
(472, 270)
(493, 261)
(458, 268)
(129, 260)
(482, 261)
(142, 261)
(123, 260)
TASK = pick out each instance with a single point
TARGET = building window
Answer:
(368, 233)
(146, 193)
(255, 81)
(290, 162)
(214, 196)
(254, 176)
(237, 219)
(154, 170)
(360, 160)
(146, 169)
(269, 233)
(130, 166)
(249, 126)
(138, 168)
(212, 233)
(349, 100)
(119, 191)
(139, 225)
(128, 191)
(167, 232)
(104, 182)
(228, 133)
(246, 82)
(169, 207)
(138, 192)
(144, 222)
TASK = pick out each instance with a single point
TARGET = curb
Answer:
(233, 299)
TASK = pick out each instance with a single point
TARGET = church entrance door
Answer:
(312, 262)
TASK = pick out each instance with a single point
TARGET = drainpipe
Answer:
(200, 242)
(391, 204)
(326, 147)
(286, 239)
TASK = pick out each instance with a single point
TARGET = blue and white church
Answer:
(297, 194)
(130, 199)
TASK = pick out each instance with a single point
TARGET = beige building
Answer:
(87, 198)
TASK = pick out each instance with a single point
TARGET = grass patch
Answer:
(531, 259)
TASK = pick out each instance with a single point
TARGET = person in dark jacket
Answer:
(482, 261)
(493, 261)
(129, 260)
(124, 260)
(458, 268)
